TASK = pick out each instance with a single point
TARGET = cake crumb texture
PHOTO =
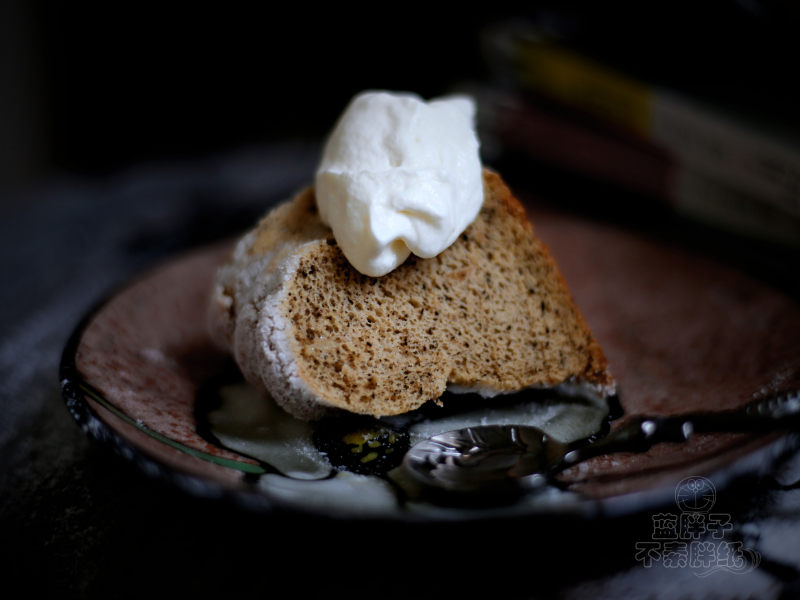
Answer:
(491, 313)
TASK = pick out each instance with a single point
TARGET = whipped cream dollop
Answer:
(399, 175)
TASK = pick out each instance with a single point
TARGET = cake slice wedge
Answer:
(491, 314)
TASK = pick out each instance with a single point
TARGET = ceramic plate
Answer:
(681, 333)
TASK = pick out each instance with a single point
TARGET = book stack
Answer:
(566, 109)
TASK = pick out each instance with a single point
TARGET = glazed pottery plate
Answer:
(682, 333)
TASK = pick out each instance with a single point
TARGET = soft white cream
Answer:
(399, 175)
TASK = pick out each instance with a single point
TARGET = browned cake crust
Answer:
(491, 314)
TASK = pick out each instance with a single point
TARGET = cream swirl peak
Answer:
(399, 175)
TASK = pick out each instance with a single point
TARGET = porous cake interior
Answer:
(491, 313)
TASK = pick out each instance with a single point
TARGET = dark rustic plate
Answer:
(681, 332)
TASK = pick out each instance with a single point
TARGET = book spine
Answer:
(583, 84)
(698, 138)
(635, 165)
(554, 139)
(724, 207)
(726, 151)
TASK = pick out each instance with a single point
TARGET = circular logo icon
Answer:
(695, 494)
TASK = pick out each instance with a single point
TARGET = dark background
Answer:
(132, 130)
(90, 87)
